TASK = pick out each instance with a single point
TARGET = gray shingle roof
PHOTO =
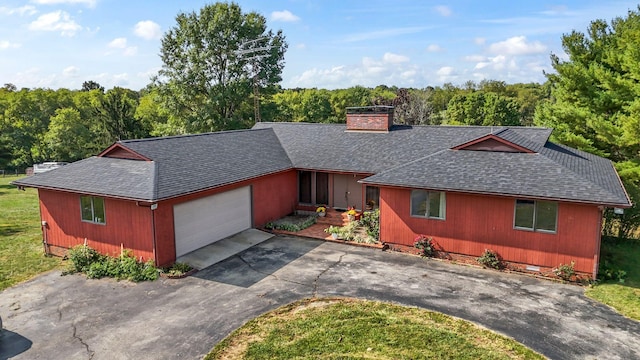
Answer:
(129, 179)
(410, 156)
(419, 156)
(330, 147)
(181, 165)
(516, 174)
(191, 163)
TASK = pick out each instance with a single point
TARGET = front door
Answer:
(347, 191)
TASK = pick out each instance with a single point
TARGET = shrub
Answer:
(347, 232)
(95, 266)
(371, 222)
(292, 224)
(491, 259)
(82, 256)
(178, 269)
(565, 271)
(425, 245)
(609, 273)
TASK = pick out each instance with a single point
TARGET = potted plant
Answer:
(321, 211)
(334, 231)
(351, 213)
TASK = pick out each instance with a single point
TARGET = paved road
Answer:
(69, 317)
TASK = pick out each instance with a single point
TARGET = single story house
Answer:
(508, 189)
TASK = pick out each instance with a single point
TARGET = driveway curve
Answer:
(69, 317)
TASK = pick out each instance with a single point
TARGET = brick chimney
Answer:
(370, 118)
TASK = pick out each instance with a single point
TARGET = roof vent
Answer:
(370, 118)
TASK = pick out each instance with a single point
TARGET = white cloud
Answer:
(121, 43)
(475, 58)
(118, 43)
(556, 10)
(146, 75)
(434, 48)
(389, 58)
(447, 74)
(443, 10)
(445, 71)
(480, 41)
(89, 3)
(390, 69)
(56, 21)
(110, 80)
(130, 51)
(301, 46)
(70, 71)
(386, 33)
(8, 45)
(285, 16)
(148, 30)
(517, 45)
(23, 10)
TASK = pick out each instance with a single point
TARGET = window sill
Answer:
(536, 230)
(93, 222)
(427, 217)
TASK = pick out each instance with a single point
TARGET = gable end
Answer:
(494, 143)
(119, 151)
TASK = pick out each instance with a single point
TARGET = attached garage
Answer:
(204, 221)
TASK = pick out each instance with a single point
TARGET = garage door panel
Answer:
(204, 221)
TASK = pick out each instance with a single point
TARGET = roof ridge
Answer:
(158, 138)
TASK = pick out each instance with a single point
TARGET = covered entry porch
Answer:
(336, 190)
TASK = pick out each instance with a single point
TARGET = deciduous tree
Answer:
(207, 73)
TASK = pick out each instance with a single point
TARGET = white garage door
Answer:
(203, 221)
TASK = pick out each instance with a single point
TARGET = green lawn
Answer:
(624, 297)
(21, 251)
(357, 329)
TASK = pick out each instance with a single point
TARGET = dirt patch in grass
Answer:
(350, 328)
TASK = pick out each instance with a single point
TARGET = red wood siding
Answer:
(474, 223)
(273, 196)
(126, 224)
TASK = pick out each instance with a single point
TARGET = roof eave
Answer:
(91, 193)
(522, 196)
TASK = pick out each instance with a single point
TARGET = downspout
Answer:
(153, 232)
(45, 243)
(596, 256)
(44, 225)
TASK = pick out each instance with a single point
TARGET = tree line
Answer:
(39, 125)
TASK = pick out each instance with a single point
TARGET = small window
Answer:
(536, 215)
(429, 204)
(92, 209)
(373, 197)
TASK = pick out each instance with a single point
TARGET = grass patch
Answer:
(21, 252)
(619, 255)
(358, 329)
(293, 223)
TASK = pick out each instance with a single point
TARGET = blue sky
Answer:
(332, 44)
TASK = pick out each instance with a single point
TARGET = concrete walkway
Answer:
(223, 249)
(70, 317)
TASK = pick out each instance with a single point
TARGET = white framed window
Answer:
(428, 204)
(92, 209)
(536, 215)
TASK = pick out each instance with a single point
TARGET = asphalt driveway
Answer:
(69, 317)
